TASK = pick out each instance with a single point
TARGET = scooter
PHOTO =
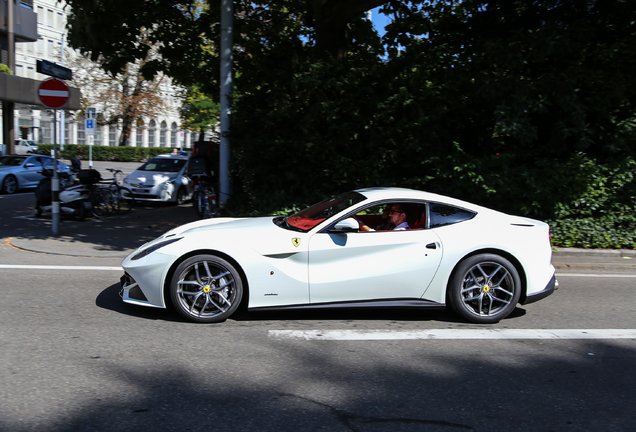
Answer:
(74, 198)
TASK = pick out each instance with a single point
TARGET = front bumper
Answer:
(130, 292)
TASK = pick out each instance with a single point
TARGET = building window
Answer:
(173, 135)
(162, 134)
(112, 135)
(81, 133)
(152, 129)
(46, 132)
(140, 133)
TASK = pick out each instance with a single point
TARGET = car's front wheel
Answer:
(181, 196)
(484, 288)
(206, 289)
(9, 185)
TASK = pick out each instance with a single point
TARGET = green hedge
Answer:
(105, 153)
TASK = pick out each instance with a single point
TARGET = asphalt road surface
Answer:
(73, 357)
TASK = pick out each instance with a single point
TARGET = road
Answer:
(73, 357)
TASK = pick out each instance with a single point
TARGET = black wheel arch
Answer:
(513, 260)
(166, 284)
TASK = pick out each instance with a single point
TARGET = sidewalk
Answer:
(111, 237)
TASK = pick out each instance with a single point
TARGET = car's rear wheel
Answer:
(484, 288)
(9, 185)
(206, 289)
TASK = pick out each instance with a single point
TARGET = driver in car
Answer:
(398, 215)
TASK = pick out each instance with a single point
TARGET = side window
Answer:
(442, 215)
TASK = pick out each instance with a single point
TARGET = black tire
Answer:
(101, 203)
(206, 289)
(123, 199)
(9, 185)
(484, 288)
(195, 200)
(181, 196)
(201, 197)
(79, 211)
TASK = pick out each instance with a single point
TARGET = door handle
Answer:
(431, 246)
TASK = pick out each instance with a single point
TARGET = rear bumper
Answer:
(549, 289)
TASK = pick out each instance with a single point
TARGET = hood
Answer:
(201, 226)
(260, 234)
(151, 177)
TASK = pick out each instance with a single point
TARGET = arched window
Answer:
(112, 135)
(173, 135)
(140, 133)
(162, 134)
(152, 130)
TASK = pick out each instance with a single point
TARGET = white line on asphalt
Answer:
(52, 267)
(613, 275)
(552, 334)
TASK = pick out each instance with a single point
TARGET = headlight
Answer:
(154, 247)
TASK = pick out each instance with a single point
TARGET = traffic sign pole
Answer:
(55, 94)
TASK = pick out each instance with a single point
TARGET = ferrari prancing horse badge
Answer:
(296, 241)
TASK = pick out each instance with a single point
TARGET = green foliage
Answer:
(105, 153)
(524, 106)
(201, 112)
(5, 69)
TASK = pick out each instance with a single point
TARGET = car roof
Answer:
(172, 156)
(393, 193)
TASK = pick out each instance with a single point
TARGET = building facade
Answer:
(36, 122)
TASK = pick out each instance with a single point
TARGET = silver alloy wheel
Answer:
(9, 185)
(485, 288)
(206, 288)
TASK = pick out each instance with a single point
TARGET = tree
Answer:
(124, 97)
(200, 112)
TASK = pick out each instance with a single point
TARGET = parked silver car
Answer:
(25, 171)
(161, 179)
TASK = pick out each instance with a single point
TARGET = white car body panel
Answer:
(283, 267)
(378, 265)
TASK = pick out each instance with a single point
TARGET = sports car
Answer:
(346, 252)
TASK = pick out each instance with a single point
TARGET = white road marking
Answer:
(52, 267)
(549, 334)
(597, 275)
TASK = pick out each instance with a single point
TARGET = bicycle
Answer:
(122, 200)
(204, 197)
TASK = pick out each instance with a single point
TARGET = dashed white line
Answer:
(445, 334)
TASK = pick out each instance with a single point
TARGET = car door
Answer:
(372, 265)
(32, 169)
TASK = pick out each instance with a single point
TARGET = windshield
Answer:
(11, 161)
(306, 219)
(163, 165)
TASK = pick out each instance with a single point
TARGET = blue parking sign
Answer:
(90, 126)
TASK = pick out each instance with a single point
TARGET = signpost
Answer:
(55, 94)
(91, 123)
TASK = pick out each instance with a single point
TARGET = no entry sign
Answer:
(54, 93)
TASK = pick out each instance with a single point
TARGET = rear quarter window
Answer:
(443, 215)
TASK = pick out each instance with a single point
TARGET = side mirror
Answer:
(345, 226)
